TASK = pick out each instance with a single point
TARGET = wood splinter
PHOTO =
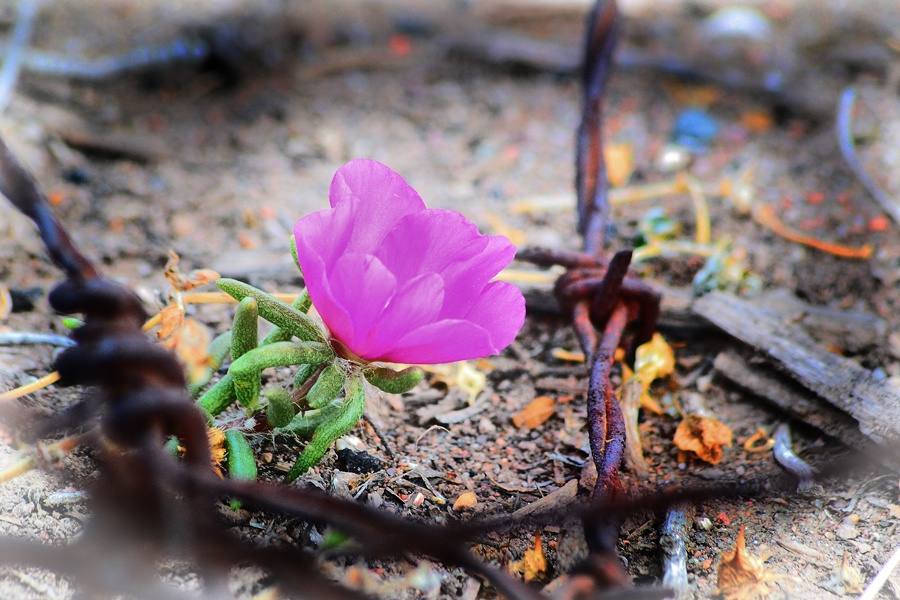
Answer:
(828, 391)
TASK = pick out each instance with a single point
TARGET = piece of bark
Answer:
(504, 47)
(140, 147)
(849, 330)
(556, 500)
(841, 382)
(741, 367)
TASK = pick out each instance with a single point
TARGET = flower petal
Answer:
(444, 341)
(414, 305)
(397, 282)
(445, 242)
(427, 241)
(489, 328)
(462, 279)
(360, 287)
(501, 310)
(376, 197)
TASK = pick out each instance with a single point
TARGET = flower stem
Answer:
(351, 410)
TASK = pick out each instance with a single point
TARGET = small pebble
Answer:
(847, 530)
(673, 158)
(486, 427)
(354, 461)
(465, 501)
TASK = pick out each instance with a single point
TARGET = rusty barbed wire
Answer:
(597, 291)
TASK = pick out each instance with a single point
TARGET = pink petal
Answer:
(501, 310)
(444, 341)
(359, 288)
(414, 305)
(445, 242)
(428, 240)
(490, 327)
(376, 198)
(462, 279)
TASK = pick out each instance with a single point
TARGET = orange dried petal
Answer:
(191, 345)
(170, 320)
(198, 278)
(741, 576)
(533, 565)
(619, 163)
(538, 410)
(703, 436)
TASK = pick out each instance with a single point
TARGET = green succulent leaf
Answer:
(394, 382)
(304, 424)
(241, 462)
(218, 397)
(327, 387)
(280, 411)
(245, 330)
(301, 303)
(304, 372)
(274, 311)
(247, 369)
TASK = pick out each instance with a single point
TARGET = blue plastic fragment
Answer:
(694, 130)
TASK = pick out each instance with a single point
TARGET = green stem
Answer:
(218, 397)
(351, 410)
(248, 368)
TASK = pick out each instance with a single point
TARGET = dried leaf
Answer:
(630, 398)
(217, 444)
(216, 439)
(619, 163)
(567, 355)
(186, 283)
(461, 375)
(538, 410)
(516, 236)
(759, 442)
(848, 577)
(741, 576)
(198, 278)
(533, 565)
(483, 364)
(654, 359)
(171, 271)
(170, 319)
(5, 303)
(190, 343)
(465, 500)
(703, 436)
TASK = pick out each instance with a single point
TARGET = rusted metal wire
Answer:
(599, 294)
(590, 173)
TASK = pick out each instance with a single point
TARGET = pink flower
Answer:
(397, 282)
